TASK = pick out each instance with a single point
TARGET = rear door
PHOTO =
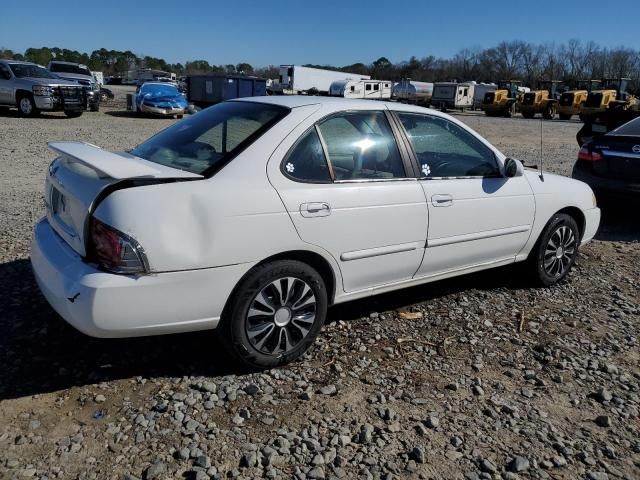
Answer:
(350, 191)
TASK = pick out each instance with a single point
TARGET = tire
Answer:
(258, 305)
(179, 117)
(565, 116)
(528, 114)
(26, 106)
(561, 236)
(549, 112)
(94, 107)
(104, 97)
(73, 113)
(4, 110)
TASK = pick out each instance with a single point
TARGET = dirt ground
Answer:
(475, 377)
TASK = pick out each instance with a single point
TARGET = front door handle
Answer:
(315, 209)
(444, 200)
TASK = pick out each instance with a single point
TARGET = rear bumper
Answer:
(102, 304)
(607, 187)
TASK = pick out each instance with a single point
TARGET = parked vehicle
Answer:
(254, 215)
(571, 101)
(205, 90)
(612, 95)
(162, 99)
(106, 94)
(543, 100)
(146, 75)
(610, 164)
(295, 79)
(502, 101)
(79, 73)
(371, 89)
(452, 95)
(32, 88)
(479, 90)
(408, 91)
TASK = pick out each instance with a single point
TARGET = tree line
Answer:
(529, 62)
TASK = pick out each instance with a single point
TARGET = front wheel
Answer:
(275, 314)
(27, 107)
(73, 113)
(556, 250)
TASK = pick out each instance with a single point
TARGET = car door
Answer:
(5, 85)
(477, 216)
(350, 191)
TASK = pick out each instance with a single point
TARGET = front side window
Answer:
(444, 149)
(24, 70)
(205, 142)
(4, 72)
(361, 145)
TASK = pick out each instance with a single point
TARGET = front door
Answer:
(6, 90)
(477, 217)
(346, 188)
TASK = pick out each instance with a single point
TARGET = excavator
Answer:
(571, 101)
(543, 100)
(502, 102)
(613, 95)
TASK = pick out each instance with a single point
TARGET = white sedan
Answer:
(253, 216)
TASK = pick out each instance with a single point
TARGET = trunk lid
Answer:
(621, 157)
(78, 177)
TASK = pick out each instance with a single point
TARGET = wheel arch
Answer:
(577, 215)
(20, 92)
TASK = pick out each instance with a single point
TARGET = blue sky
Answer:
(320, 32)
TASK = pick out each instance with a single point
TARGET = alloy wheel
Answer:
(25, 106)
(559, 251)
(281, 316)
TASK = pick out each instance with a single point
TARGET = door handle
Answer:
(315, 209)
(443, 200)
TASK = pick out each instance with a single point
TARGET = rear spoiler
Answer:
(116, 165)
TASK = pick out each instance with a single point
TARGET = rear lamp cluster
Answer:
(114, 251)
(588, 155)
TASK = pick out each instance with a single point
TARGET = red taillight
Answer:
(589, 155)
(113, 250)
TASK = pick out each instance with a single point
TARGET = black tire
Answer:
(528, 114)
(94, 107)
(73, 113)
(258, 285)
(545, 266)
(565, 116)
(26, 106)
(4, 110)
(549, 112)
(180, 117)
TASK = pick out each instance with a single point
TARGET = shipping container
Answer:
(205, 90)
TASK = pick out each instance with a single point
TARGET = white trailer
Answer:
(372, 89)
(295, 79)
(452, 95)
(98, 77)
(479, 91)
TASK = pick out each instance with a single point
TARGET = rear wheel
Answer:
(275, 315)
(565, 116)
(528, 114)
(556, 250)
(73, 113)
(549, 112)
(26, 106)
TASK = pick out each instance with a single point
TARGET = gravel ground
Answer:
(474, 377)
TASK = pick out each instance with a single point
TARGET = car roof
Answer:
(6, 60)
(339, 103)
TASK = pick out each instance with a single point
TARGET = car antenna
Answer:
(541, 175)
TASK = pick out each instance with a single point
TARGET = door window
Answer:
(306, 161)
(444, 149)
(4, 72)
(361, 145)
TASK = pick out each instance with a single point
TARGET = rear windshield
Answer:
(24, 70)
(205, 142)
(631, 128)
(67, 68)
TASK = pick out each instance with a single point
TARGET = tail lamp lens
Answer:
(114, 251)
(588, 155)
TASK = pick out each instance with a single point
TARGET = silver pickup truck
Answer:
(32, 88)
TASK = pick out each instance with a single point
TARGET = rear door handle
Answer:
(315, 209)
(444, 200)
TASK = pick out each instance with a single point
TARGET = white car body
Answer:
(202, 235)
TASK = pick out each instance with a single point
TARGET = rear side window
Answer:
(206, 141)
(631, 128)
(306, 161)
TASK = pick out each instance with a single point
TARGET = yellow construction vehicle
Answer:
(571, 101)
(543, 100)
(501, 102)
(613, 95)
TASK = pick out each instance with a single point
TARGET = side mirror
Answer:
(513, 168)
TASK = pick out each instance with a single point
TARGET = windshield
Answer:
(67, 68)
(630, 129)
(23, 70)
(205, 142)
(155, 91)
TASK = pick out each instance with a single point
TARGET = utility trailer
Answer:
(371, 89)
(295, 80)
(205, 90)
(452, 95)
